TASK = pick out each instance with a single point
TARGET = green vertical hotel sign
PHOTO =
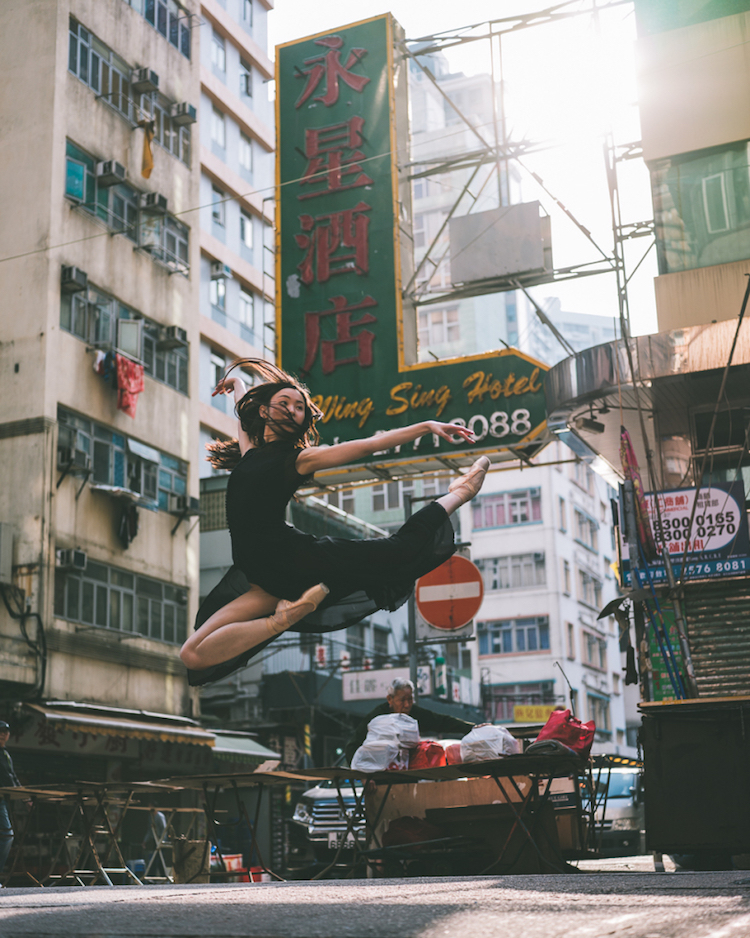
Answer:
(344, 247)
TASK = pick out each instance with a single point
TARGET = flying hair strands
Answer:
(225, 454)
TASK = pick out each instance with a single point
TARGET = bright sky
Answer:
(567, 83)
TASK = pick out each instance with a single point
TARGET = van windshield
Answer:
(621, 784)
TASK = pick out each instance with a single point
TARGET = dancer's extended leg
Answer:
(244, 623)
(466, 486)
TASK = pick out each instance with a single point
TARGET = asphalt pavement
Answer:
(591, 904)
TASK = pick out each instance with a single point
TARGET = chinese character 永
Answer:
(330, 66)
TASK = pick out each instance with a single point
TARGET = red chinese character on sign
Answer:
(669, 501)
(344, 325)
(326, 234)
(324, 148)
(681, 500)
(330, 66)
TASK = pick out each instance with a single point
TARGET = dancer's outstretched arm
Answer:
(227, 386)
(314, 458)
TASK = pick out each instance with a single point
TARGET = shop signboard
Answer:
(718, 541)
(373, 685)
(344, 255)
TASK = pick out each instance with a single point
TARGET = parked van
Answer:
(620, 815)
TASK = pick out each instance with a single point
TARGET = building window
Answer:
(512, 572)
(582, 476)
(343, 499)
(247, 310)
(219, 207)
(438, 326)
(436, 484)
(115, 599)
(514, 636)
(566, 577)
(594, 650)
(118, 461)
(390, 496)
(247, 12)
(109, 77)
(168, 18)
(246, 79)
(563, 512)
(589, 589)
(218, 53)
(702, 207)
(218, 128)
(166, 240)
(508, 508)
(598, 711)
(116, 206)
(571, 640)
(94, 317)
(246, 230)
(586, 530)
(218, 293)
(246, 153)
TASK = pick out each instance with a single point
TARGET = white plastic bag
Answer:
(397, 727)
(376, 755)
(389, 739)
(487, 742)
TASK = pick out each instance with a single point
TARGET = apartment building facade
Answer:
(236, 156)
(99, 410)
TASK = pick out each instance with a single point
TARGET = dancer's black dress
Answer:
(362, 575)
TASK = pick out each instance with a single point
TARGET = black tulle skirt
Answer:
(362, 575)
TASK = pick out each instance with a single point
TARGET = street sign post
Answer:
(449, 596)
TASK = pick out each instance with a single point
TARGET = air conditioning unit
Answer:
(183, 114)
(71, 559)
(172, 337)
(220, 271)
(74, 280)
(184, 505)
(153, 204)
(144, 81)
(6, 554)
(109, 173)
(74, 460)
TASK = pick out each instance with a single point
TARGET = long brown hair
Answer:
(225, 454)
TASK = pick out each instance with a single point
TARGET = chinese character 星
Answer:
(330, 66)
(325, 234)
(344, 325)
(325, 148)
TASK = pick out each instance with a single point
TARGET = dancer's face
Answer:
(285, 411)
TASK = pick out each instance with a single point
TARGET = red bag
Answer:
(569, 731)
(453, 754)
(427, 754)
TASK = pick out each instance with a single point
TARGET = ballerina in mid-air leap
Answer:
(281, 577)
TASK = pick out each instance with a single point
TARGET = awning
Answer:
(129, 723)
(241, 749)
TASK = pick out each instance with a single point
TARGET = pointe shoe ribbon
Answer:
(288, 612)
(467, 485)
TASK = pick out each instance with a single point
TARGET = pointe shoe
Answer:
(467, 485)
(289, 612)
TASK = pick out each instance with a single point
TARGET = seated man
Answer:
(400, 699)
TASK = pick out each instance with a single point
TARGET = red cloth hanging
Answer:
(129, 384)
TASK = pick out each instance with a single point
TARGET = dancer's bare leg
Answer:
(244, 623)
(466, 486)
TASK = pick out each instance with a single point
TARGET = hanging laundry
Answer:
(129, 384)
(109, 371)
(99, 359)
(128, 524)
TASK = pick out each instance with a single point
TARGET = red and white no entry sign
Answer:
(450, 595)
